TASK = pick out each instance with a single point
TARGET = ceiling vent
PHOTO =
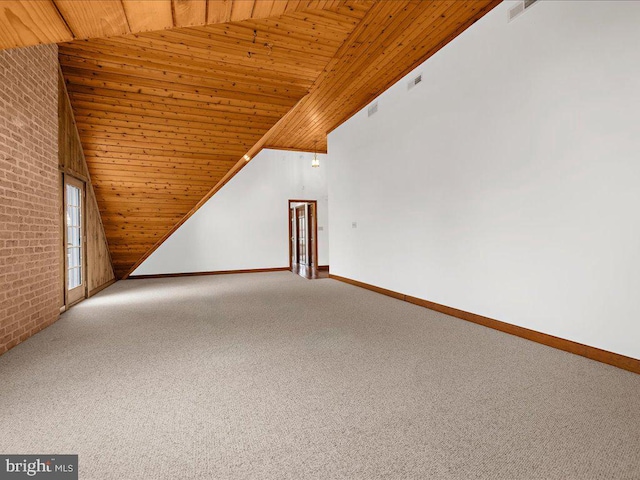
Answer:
(414, 81)
(373, 109)
(520, 8)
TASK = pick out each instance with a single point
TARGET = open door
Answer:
(312, 246)
(292, 236)
(302, 251)
(303, 234)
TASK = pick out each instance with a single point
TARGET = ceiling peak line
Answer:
(66, 24)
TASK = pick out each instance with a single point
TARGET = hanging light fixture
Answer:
(315, 162)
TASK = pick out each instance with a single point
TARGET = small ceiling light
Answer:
(315, 162)
(246, 158)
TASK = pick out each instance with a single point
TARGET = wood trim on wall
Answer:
(74, 174)
(63, 236)
(96, 290)
(101, 287)
(197, 274)
(593, 353)
(290, 215)
(87, 178)
(373, 288)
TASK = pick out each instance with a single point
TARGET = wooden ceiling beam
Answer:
(148, 15)
(25, 22)
(88, 18)
(33, 22)
(189, 13)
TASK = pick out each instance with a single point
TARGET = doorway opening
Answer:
(303, 238)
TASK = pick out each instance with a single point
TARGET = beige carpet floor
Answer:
(271, 376)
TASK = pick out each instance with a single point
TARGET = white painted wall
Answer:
(507, 184)
(245, 225)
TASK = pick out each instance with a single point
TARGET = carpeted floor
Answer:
(271, 376)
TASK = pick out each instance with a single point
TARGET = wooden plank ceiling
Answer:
(33, 22)
(166, 116)
(393, 39)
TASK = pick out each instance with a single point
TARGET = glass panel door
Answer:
(74, 195)
(302, 234)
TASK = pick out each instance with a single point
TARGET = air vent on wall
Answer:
(520, 7)
(373, 109)
(414, 81)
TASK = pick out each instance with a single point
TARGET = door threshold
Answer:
(310, 273)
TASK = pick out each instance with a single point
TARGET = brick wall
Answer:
(30, 283)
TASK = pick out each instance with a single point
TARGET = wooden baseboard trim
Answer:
(373, 288)
(101, 287)
(593, 353)
(197, 274)
(323, 268)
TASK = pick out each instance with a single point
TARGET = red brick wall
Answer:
(30, 263)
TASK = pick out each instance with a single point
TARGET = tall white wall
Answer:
(507, 183)
(245, 225)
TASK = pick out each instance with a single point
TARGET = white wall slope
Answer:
(245, 225)
(507, 183)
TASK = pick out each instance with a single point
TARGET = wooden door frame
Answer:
(72, 179)
(315, 233)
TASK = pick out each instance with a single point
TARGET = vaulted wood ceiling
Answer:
(163, 116)
(33, 22)
(166, 116)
